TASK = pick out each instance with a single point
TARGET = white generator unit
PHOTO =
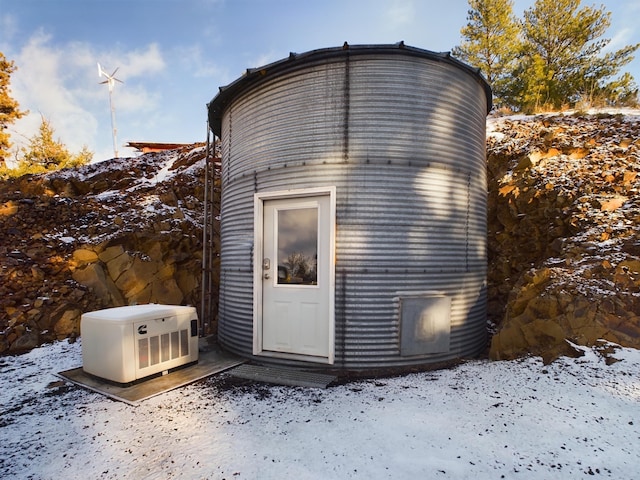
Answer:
(126, 344)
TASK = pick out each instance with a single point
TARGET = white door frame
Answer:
(258, 222)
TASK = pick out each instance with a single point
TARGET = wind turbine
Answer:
(111, 82)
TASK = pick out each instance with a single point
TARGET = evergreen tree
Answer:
(45, 153)
(490, 42)
(82, 158)
(561, 63)
(9, 111)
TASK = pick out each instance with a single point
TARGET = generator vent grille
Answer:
(162, 348)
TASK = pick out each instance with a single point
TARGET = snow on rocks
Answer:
(78, 238)
(564, 223)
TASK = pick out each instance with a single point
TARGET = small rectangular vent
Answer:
(154, 344)
(425, 324)
(143, 349)
(162, 348)
(184, 343)
(175, 345)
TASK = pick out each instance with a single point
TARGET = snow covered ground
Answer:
(575, 418)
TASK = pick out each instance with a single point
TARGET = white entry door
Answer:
(296, 277)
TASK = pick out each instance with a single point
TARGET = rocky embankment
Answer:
(564, 237)
(564, 233)
(116, 233)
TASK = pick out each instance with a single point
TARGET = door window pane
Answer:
(298, 246)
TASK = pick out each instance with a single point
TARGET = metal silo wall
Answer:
(402, 138)
(262, 134)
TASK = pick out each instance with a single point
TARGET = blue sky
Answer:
(172, 55)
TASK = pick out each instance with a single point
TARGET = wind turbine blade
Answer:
(99, 70)
(114, 72)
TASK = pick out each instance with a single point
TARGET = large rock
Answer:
(68, 325)
(93, 276)
(118, 264)
(549, 322)
(27, 341)
(166, 291)
(563, 226)
(137, 277)
(150, 275)
(85, 255)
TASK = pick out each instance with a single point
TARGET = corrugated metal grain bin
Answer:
(353, 225)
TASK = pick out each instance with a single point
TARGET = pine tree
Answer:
(490, 42)
(44, 153)
(82, 158)
(560, 62)
(9, 111)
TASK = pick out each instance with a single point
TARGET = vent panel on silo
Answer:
(353, 187)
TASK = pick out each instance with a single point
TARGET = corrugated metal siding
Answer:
(402, 139)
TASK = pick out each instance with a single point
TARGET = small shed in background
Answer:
(353, 213)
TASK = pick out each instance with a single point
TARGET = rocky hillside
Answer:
(564, 225)
(564, 243)
(114, 233)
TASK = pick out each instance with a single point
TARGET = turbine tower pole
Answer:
(114, 129)
(111, 82)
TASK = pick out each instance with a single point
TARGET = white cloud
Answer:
(134, 98)
(400, 13)
(620, 39)
(264, 59)
(61, 83)
(193, 61)
(8, 26)
(142, 62)
(44, 83)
